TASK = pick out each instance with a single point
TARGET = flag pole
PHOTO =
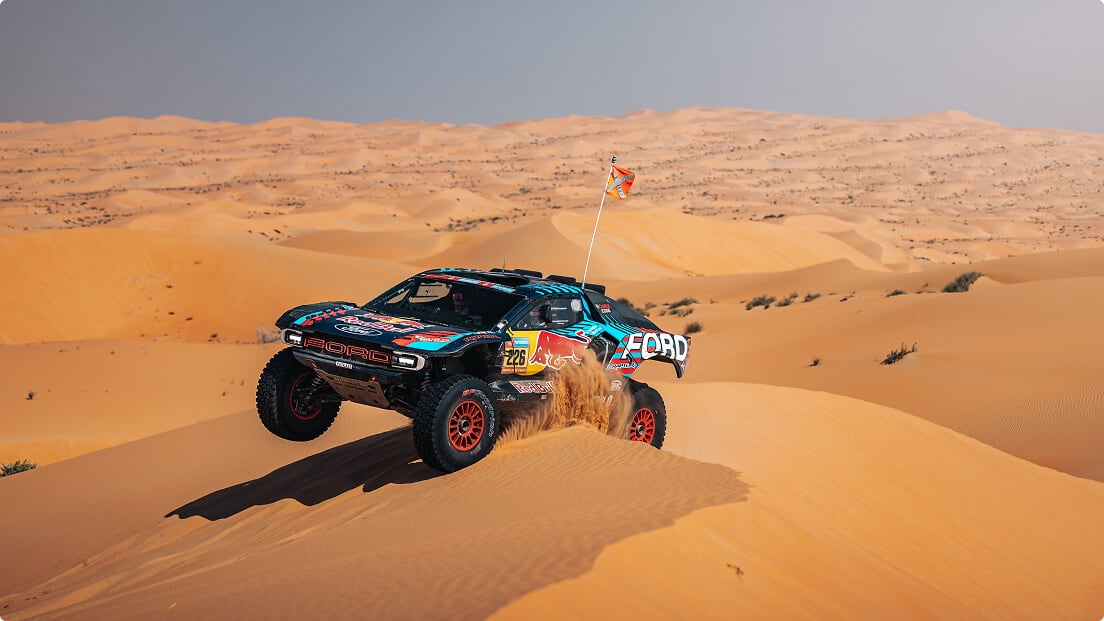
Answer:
(605, 190)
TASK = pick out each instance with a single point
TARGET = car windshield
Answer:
(446, 302)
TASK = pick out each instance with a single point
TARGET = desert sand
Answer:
(146, 259)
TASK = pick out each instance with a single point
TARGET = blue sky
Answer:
(1019, 62)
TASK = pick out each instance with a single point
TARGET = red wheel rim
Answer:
(296, 395)
(642, 427)
(465, 427)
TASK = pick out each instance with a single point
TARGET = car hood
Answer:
(392, 331)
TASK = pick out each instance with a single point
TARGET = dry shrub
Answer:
(582, 395)
(962, 283)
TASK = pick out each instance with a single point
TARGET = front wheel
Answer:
(293, 402)
(648, 417)
(455, 423)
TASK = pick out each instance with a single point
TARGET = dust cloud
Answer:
(584, 394)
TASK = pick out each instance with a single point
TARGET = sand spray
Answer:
(583, 395)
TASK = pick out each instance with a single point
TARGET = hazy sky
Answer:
(1020, 62)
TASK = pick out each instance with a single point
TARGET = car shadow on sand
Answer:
(372, 462)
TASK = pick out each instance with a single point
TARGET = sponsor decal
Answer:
(604, 308)
(351, 351)
(531, 388)
(382, 323)
(471, 281)
(429, 336)
(555, 350)
(521, 342)
(359, 330)
(651, 344)
(480, 336)
(513, 358)
(615, 385)
(309, 320)
(394, 321)
(352, 320)
(593, 329)
(375, 325)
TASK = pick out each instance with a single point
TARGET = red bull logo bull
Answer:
(555, 350)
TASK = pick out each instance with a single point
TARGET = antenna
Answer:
(605, 190)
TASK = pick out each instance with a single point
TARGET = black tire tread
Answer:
(641, 395)
(268, 400)
(425, 423)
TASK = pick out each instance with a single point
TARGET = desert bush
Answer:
(763, 300)
(789, 299)
(628, 302)
(809, 297)
(693, 327)
(683, 302)
(815, 362)
(16, 466)
(962, 283)
(895, 292)
(899, 353)
(682, 311)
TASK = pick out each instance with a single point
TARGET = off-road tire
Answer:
(282, 379)
(648, 416)
(456, 423)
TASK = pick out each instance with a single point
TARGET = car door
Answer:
(545, 337)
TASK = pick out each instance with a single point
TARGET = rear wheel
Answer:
(293, 402)
(648, 417)
(455, 423)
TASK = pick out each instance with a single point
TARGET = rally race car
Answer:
(450, 348)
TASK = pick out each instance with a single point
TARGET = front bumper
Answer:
(354, 381)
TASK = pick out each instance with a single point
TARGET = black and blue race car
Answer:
(451, 348)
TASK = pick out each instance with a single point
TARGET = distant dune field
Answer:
(145, 261)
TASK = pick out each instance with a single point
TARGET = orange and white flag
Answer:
(620, 180)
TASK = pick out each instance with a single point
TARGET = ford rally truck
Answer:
(450, 348)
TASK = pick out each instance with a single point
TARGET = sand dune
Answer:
(977, 356)
(338, 517)
(120, 284)
(63, 399)
(146, 259)
(968, 178)
(408, 246)
(854, 511)
(649, 522)
(650, 244)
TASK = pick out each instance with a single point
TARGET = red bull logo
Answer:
(555, 350)
(383, 322)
